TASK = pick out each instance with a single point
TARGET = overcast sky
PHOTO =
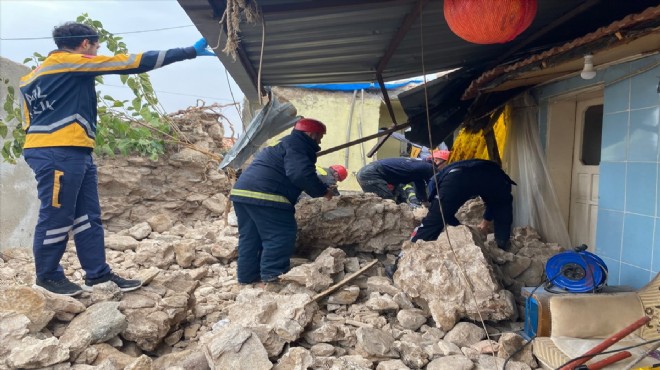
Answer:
(178, 85)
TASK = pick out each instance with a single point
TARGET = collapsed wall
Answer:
(166, 228)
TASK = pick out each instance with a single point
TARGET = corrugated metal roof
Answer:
(330, 41)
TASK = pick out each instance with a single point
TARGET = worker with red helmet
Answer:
(331, 175)
(264, 198)
(383, 177)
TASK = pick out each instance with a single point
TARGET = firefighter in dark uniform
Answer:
(463, 180)
(264, 198)
(331, 175)
(384, 176)
(59, 113)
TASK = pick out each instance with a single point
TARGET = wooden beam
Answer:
(345, 281)
(363, 139)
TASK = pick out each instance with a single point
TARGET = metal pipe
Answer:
(605, 344)
(350, 126)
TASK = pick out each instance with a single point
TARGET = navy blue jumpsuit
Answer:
(375, 176)
(264, 198)
(464, 180)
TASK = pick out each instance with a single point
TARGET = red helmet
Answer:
(310, 125)
(441, 154)
(341, 171)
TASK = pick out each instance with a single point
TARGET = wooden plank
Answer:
(345, 281)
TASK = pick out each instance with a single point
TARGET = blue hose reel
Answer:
(576, 271)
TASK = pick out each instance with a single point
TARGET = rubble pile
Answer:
(166, 226)
(193, 314)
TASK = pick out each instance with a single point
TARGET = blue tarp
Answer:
(357, 86)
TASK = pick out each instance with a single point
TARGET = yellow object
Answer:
(473, 145)
(56, 189)
(414, 152)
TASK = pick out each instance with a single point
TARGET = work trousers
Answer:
(266, 241)
(372, 180)
(68, 190)
(462, 184)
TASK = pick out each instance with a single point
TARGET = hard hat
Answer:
(310, 125)
(341, 171)
(441, 154)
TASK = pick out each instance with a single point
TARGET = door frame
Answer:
(560, 142)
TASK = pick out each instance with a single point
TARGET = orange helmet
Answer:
(310, 125)
(341, 171)
(441, 154)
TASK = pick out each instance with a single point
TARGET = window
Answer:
(591, 135)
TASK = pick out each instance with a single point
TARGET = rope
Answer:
(437, 190)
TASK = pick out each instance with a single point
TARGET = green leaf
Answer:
(123, 79)
(3, 130)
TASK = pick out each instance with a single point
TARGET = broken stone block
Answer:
(331, 261)
(382, 284)
(97, 324)
(296, 358)
(486, 362)
(447, 348)
(392, 365)
(139, 231)
(464, 334)
(373, 342)
(381, 303)
(411, 319)
(322, 349)
(33, 353)
(160, 222)
(486, 347)
(453, 362)
(190, 359)
(309, 276)
(276, 319)
(184, 254)
(216, 204)
(346, 295)
(512, 342)
(27, 301)
(121, 242)
(155, 253)
(143, 362)
(428, 271)
(235, 347)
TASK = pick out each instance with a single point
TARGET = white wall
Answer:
(19, 205)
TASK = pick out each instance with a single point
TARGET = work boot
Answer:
(125, 285)
(62, 286)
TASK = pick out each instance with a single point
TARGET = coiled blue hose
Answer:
(577, 272)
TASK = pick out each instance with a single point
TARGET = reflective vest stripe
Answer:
(258, 195)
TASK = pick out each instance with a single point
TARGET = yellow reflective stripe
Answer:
(414, 152)
(407, 186)
(56, 189)
(258, 195)
(321, 171)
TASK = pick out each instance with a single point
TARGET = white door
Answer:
(584, 180)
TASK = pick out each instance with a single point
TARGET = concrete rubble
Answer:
(192, 314)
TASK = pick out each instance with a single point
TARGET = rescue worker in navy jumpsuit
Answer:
(383, 177)
(264, 198)
(59, 113)
(463, 180)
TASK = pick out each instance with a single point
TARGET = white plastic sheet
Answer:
(535, 200)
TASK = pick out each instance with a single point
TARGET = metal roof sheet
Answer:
(331, 41)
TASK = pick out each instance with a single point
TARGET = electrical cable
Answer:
(609, 352)
(114, 33)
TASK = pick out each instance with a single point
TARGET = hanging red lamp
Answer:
(489, 21)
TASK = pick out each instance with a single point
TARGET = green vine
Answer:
(137, 126)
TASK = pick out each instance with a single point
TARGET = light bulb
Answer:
(588, 71)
